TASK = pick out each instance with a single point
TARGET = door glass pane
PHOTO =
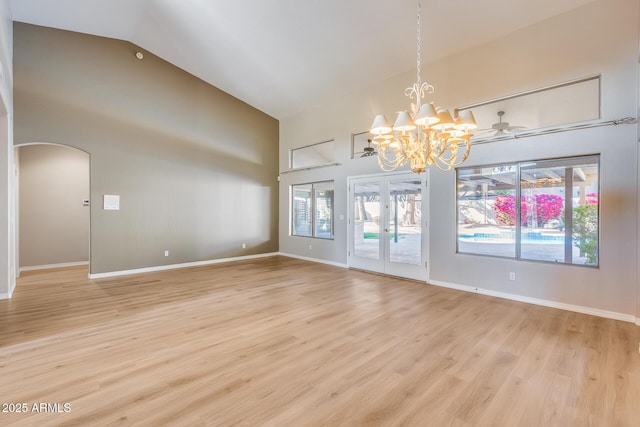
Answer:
(366, 220)
(405, 219)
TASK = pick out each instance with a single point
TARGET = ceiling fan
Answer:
(499, 128)
(368, 150)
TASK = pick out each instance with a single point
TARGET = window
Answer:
(312, 210)
(361, 145)
(540, 210)
(322, 153)
(557, 105)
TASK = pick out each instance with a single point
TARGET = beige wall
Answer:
(195, 168)
(599, 38)
(53, 223)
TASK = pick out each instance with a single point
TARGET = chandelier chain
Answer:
(419, 44)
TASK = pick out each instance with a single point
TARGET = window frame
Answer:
(518, 228)
(292, 160)
(522, 107)
(312, 208)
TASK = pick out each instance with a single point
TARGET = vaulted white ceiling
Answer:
(283, 56)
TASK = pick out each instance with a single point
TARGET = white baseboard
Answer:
(50, 266)
(318, 260)
(9, 294)
(546, 303)
(176, 266)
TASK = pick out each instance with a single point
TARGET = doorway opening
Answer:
(53, 203)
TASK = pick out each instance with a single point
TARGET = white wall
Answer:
(7, 171)
(6, 54)
(600, 38)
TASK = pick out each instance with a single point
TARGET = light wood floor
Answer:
(284, 342)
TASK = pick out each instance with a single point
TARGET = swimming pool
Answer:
(528, 237)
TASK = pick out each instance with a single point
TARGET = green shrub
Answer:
(585, 231)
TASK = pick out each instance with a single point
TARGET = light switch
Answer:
(111, 202)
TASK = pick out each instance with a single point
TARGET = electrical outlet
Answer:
(512, 276)
(166, 253)
(310, 247)
(244, 246)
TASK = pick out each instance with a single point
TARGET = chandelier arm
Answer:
(448, 160)
(445, 168)
(467, 151)
(439, 145)
(386, 168)
(383, 164)
(453, 159)
(387, 164)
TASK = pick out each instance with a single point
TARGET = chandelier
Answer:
(425, 135)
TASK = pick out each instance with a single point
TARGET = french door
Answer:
(387, 218)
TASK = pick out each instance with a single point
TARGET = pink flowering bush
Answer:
(592, 199)
(547, 207)
(505, 210)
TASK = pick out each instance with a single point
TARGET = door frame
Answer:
(388, 176)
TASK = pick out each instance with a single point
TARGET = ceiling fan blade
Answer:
(368, 152)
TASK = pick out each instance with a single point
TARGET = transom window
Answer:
(319, 154)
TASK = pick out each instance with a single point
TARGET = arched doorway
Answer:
(53, 197)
